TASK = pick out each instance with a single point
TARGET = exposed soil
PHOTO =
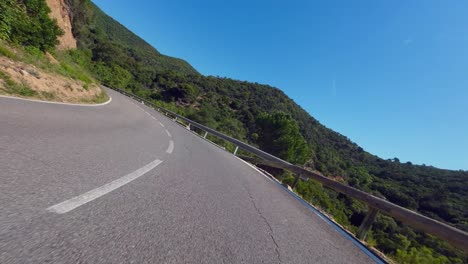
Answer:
(60, 12)
(48, 86)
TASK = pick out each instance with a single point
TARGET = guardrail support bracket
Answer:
(367, 223)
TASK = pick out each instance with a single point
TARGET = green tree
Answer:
(279, 135)
(185, 92)
(421, 255)
(359, 177)
(27, 22)
(9, 12)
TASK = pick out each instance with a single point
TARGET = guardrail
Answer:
(454, 236)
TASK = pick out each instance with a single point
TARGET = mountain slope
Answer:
(94, 29)
(121, 59)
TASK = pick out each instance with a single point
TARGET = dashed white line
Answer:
(171, 147)
(161, 124)
(68, 205)
(169, 134)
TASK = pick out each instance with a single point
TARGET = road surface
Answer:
(120, 183)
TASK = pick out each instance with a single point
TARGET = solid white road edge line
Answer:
(58, 103)
(323, 217)
(68, 205)
(255, 168)
(171, 147)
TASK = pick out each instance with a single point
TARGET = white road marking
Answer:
(68, 205)
(58, 103)
(255, 168)
(171, 147)
(147, 113)
(169, 134)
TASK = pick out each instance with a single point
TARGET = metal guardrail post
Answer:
(296, 180)
(188, 126)
(235, 151)
(367, 223)
(175, 119)
(206, 134)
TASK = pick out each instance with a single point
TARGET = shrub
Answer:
(26, 22)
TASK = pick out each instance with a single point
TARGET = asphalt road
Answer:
(72, 190)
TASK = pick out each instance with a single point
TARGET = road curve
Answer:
(120, 183)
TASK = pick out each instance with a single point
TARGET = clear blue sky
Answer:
(390, 75)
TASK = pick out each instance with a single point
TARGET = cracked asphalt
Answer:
(200, 205)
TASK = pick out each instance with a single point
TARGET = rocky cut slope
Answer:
(26, 80)
(60, 11)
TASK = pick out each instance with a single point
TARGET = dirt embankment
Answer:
(60, 12)
(45, 85)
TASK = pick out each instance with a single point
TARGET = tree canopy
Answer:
(279, 135)
(26, 22)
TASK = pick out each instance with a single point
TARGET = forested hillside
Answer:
(243, 110)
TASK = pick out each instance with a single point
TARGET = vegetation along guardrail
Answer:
(454, 236)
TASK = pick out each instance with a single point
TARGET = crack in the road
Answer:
(267, 223)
